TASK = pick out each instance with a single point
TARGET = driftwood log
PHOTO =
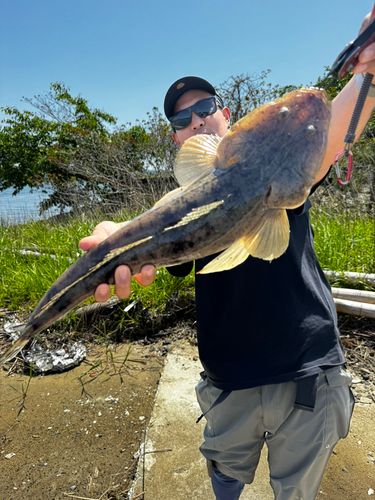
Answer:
(355, 295)
(367, 278)
(355, 302)
(355, 308)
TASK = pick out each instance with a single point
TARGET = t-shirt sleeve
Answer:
(181, 270)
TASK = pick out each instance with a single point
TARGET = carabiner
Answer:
(349, 170)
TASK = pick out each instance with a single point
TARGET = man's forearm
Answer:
(342, 110)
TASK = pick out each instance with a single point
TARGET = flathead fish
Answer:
(233, 199)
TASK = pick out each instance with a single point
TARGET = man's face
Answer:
(217, 123)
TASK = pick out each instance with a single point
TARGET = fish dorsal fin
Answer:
(169, 196)
(196, 158)
(268, 237)
(230, 258)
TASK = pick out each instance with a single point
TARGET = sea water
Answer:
(21, 207)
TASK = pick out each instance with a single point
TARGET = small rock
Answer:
(365, 400)
(370, 491)
(10, 455)
(72, 488)
(112, 399)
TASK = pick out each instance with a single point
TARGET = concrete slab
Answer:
(173, 468)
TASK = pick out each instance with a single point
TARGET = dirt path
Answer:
(78, 434)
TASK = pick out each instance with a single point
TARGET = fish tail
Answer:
(13, 350)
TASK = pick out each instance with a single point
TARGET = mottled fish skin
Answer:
(266, 163)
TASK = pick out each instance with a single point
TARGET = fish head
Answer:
(283, 142)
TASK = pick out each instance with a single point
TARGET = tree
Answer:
(245, 92)
(68, 147)
(131, 170)
(32, 144)
(25, 145)
(88, 160)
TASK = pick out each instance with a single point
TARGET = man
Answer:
(267, 333)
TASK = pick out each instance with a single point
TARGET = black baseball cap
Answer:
(178, 88)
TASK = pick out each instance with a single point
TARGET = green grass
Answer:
(24, 279)
(342, 244)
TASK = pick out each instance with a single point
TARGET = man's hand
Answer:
(122, 273)
(366, 60)
(343, 106)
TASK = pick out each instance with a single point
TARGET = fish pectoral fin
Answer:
(230, 258)
(196, 158)
(288, 193)
(268, 238)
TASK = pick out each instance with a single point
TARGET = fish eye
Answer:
(310, 131)
(284, 112)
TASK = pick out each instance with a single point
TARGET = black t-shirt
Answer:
(267, 322)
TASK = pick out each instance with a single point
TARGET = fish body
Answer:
(233, 199)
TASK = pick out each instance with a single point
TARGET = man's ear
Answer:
(226, 114)
(175, 138)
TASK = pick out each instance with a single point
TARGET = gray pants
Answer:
(299, 442)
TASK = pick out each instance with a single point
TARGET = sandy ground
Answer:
(350, 474)
(78, 434)
(175, 470)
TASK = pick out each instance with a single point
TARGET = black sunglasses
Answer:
(202, 108)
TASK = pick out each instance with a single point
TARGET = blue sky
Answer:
(122, 55)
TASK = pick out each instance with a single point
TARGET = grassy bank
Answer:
(35, 254)
(344, 242)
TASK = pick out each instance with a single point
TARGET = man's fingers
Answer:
(366, 62)
(146, 276)
(90, 241)
(102, 293)
(122, 286)
(100, 233)
(122, 273)
(122, 282)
